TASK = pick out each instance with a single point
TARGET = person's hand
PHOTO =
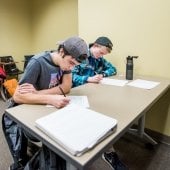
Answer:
(95, 79)
(58, 101)
(26, 88)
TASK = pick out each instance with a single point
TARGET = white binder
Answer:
(77, 129)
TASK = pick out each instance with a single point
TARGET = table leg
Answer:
(140, 131)
(70, 166)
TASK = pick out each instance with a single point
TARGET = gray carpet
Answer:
(131, 150)
(5, 157)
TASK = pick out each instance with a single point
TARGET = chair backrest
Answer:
(27, 59)
(9, 65)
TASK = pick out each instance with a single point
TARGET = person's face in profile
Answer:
(68, 63)
(99, 51)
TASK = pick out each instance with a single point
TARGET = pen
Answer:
(62, 91)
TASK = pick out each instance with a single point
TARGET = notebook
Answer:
(77, 129)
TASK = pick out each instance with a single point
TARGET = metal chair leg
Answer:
(4, 94)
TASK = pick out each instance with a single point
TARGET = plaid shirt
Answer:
(91, 67)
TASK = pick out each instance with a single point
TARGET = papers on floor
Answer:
(114, 82)
(145, 84)
(77, 129)
(79, 100)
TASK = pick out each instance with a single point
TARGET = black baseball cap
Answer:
(104, 41)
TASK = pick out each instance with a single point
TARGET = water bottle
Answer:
(129, 67)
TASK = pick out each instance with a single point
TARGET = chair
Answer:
(10, 67)
(27, 59)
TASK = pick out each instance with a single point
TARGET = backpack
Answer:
(2, 73)
(45, 159)
(10, 86)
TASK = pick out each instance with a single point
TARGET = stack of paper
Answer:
(77, 129)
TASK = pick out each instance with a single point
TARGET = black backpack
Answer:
(45, 159)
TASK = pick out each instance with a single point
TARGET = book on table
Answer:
(77, 129)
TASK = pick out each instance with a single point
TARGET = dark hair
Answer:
(82, 58)
(65, 51)
(79, 59)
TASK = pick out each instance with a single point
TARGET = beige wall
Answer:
(53, 20)
(28, 27)
(158, 117)
(15, 31)
(136, 27)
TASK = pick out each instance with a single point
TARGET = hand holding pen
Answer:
(59, 101)
(95, 79)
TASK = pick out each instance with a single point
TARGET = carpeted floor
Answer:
(131, 150)
(5, 158)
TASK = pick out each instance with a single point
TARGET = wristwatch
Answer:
(67, 72)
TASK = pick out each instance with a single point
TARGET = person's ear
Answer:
(61, 52)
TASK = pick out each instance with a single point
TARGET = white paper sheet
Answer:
(145, 84)
(78, 100)
(114, 82)
(77, 129)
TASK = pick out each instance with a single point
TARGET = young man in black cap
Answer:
(96, 66)
(46, 79)
(92, 71)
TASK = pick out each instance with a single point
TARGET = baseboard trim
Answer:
(159, 137)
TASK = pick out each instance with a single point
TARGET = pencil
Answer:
(62, 91)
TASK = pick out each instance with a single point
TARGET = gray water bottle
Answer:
(129, 67)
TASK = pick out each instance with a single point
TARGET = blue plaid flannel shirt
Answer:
(91, 67)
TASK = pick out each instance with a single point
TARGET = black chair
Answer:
(10, 67)
(27, 58)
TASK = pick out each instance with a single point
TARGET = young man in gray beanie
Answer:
(46, 80)
(47, 73)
